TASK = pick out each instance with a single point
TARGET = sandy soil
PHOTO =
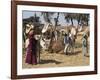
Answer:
(60, 60)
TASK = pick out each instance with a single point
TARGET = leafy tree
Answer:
(56, 19)
(70, 17)
(47, 16)
(78, 16)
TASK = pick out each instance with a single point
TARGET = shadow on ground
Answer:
(75, 53)
(49, 61)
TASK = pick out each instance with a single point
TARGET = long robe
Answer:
(31, 52)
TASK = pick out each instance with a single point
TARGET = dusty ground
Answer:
(60, 60)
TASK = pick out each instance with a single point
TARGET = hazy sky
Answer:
(62, 21)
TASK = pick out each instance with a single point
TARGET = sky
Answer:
(62, 21)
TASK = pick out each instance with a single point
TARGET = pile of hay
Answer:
(57, 46)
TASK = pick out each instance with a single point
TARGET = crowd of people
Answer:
(69, 43)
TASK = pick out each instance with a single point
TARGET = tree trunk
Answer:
(56, 20)
(72, 21)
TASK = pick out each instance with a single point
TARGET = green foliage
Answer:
(78, 16)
